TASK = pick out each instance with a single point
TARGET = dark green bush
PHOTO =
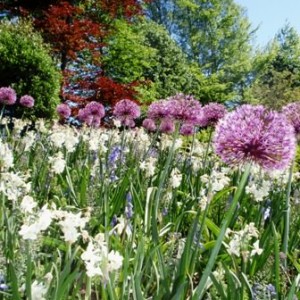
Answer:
(26, 66)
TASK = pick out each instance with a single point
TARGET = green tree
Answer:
(145, 52)
(26, 66)
(278, 81)
(215, 34)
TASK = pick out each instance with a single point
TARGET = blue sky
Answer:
(270, 16)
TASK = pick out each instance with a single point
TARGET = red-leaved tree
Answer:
(76, 30)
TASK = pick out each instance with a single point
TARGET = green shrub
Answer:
(26, 66)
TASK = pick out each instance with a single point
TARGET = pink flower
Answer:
(149, 124)
(126, 111)
(252, 133)
(27, 101)
(63, 110)
(8, 96)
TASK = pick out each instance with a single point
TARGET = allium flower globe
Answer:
(211, 114)
(292, 113)
(95, 109)
(63, 110)
(251, 133)
(149, 124)
(158, 110)
(167, 126)
(184, 108)
(126, 111)
(27, 101)
(8, 96)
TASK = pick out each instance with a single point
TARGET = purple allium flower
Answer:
(149, 124)
(82, 114)
(126, 111)
(167, 126)
(184, 108)
(92, 121)
(63, 110)
(8, 96)
(211, 114)
(292, 113)
(27, 101)
(95, 109)
(187, 129)
(159, 110)
(251, 133)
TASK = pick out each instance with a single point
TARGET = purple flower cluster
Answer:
(63, 110)
(179, 108)
(126, 111)
(252, 133)
(211, 114)
(8, 96)
(27, 101)
(92, 114)
(292, 113)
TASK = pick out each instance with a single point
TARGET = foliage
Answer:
(66, 28)
(145, 52)
(26, 66)
(278, 81)
(216, 35)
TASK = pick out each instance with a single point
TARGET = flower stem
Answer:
(287, 216)
(200, 289)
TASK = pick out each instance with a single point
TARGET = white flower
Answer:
(148, 166)
(256, 249)
(259, 192)
(58, 138)
(28, 204)
(14, 185)
(122, 226)
(38, 291)
(175, 178)
(115, 260)
(28, 140)
(98, 261)
(6, 156)
(45, 217)
(58, 163)
(70, 225)
(71, 140)
(29, 232)
(234, 246)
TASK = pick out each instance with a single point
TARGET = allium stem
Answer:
(287, 216)
(88, 289)
(200, 289)
(29, 271)
(207, 148)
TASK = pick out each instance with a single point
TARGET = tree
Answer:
(278, 82)
(26, 66)
(76, 31)
(213, 33)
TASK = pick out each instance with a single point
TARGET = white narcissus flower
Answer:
(14, 185)
(28, 204)
(175, 178)
(256, 249)
(28, 140)
(57, 138)
(99, 261)
(6, 156)
(70, 225)
(29, 232)
(45, 217)
(38, 291)
(58, 163)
